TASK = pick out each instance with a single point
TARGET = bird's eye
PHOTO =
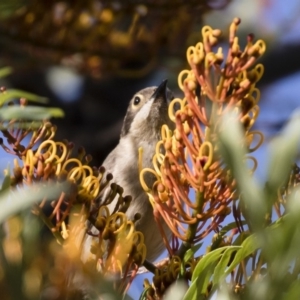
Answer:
(136, 100)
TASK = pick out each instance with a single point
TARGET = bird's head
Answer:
(147, 112)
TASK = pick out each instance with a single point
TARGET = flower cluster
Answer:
(70, 216)
(176, 268)
(194, 190)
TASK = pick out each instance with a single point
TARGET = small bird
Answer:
(146, 113)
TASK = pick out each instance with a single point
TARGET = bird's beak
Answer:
(161, 91)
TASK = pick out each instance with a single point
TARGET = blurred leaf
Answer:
(280, 241)
(233, 153)
(5, 71)
(176, 291)
(294, 291)
(224, 293)
(23, 125)
(9, 7)
(100, 287)
(283, 151)
(12, 94)
(30, 113)
(14, 201)
(6, 182)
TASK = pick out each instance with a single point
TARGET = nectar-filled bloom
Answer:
(194, 190)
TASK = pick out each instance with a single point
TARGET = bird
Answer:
(147, 112)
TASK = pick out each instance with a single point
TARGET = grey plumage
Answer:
(147, 112)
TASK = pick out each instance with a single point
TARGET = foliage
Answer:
(203, 177)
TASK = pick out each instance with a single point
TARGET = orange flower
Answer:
(194, 190)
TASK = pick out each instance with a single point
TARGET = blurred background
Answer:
(89, 58)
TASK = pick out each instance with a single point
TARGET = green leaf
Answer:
(188, 254)
(207, 261)
(193, 293)
(30, 113)
(249, 245)
(241, 237)
(12, 94)
(202, 274)
(220, 269)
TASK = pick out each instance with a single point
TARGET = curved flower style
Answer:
(46, 160)
(194, 190)
(169, 273)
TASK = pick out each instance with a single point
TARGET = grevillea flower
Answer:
(44, 160)
(194, 190)
(169, 273)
